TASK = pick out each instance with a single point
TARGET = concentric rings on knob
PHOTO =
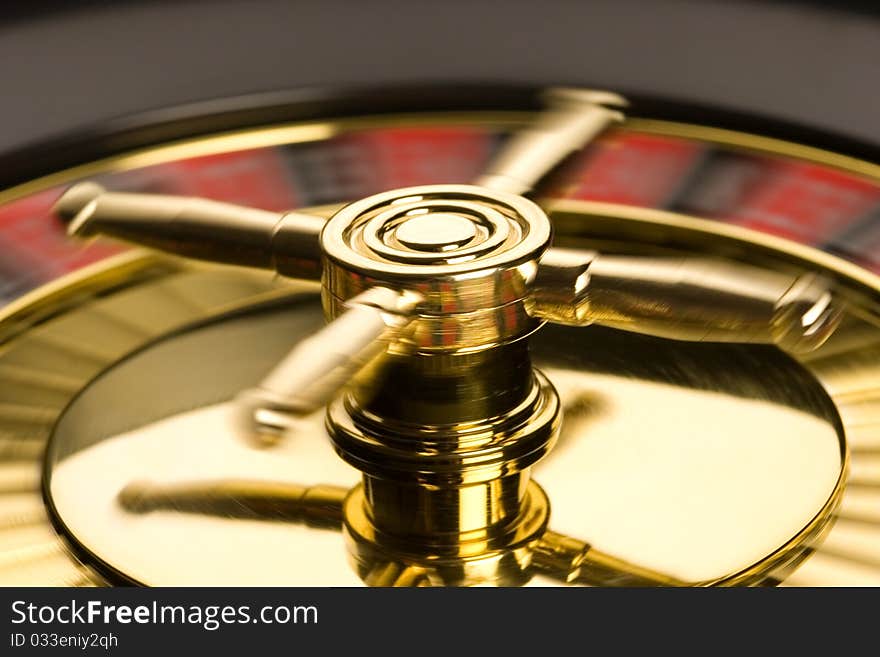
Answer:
(436, 230)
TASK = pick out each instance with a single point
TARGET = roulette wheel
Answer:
(577, 337)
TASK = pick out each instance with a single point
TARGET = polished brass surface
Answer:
(574, 561)
(453, 499)
(507, 230)
(198, 228)
(318, 506)
(843, 365)
(684, 299)
(573, 118)
(499, 556)
(436, 258)
(457, 251)
(597, 416)
(437, 232)
(473, 293)
(47, 368)
(338, 356)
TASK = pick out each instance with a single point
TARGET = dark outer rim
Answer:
(66, 65)
(261, 109)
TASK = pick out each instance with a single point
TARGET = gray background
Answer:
(84, 64)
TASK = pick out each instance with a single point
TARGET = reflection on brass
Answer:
(572, 560)
(388, 540)
(648, 230)
(396, 574)
(580, 409)
(318, 506)
(684, 299)
(695, 360)
(498, 555)
(472, 293)
(429, 285)
(446, 492)
(584, 537)
(314, 372)
(198, 228)
(446, 483)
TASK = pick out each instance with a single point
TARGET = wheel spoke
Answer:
(572, 119)
(316, 506)
(576, 562)
(198, 228)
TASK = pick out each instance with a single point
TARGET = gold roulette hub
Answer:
(510, 391)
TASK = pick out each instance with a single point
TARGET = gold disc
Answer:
(690, 463)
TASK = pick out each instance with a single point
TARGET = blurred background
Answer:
(66, 65)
